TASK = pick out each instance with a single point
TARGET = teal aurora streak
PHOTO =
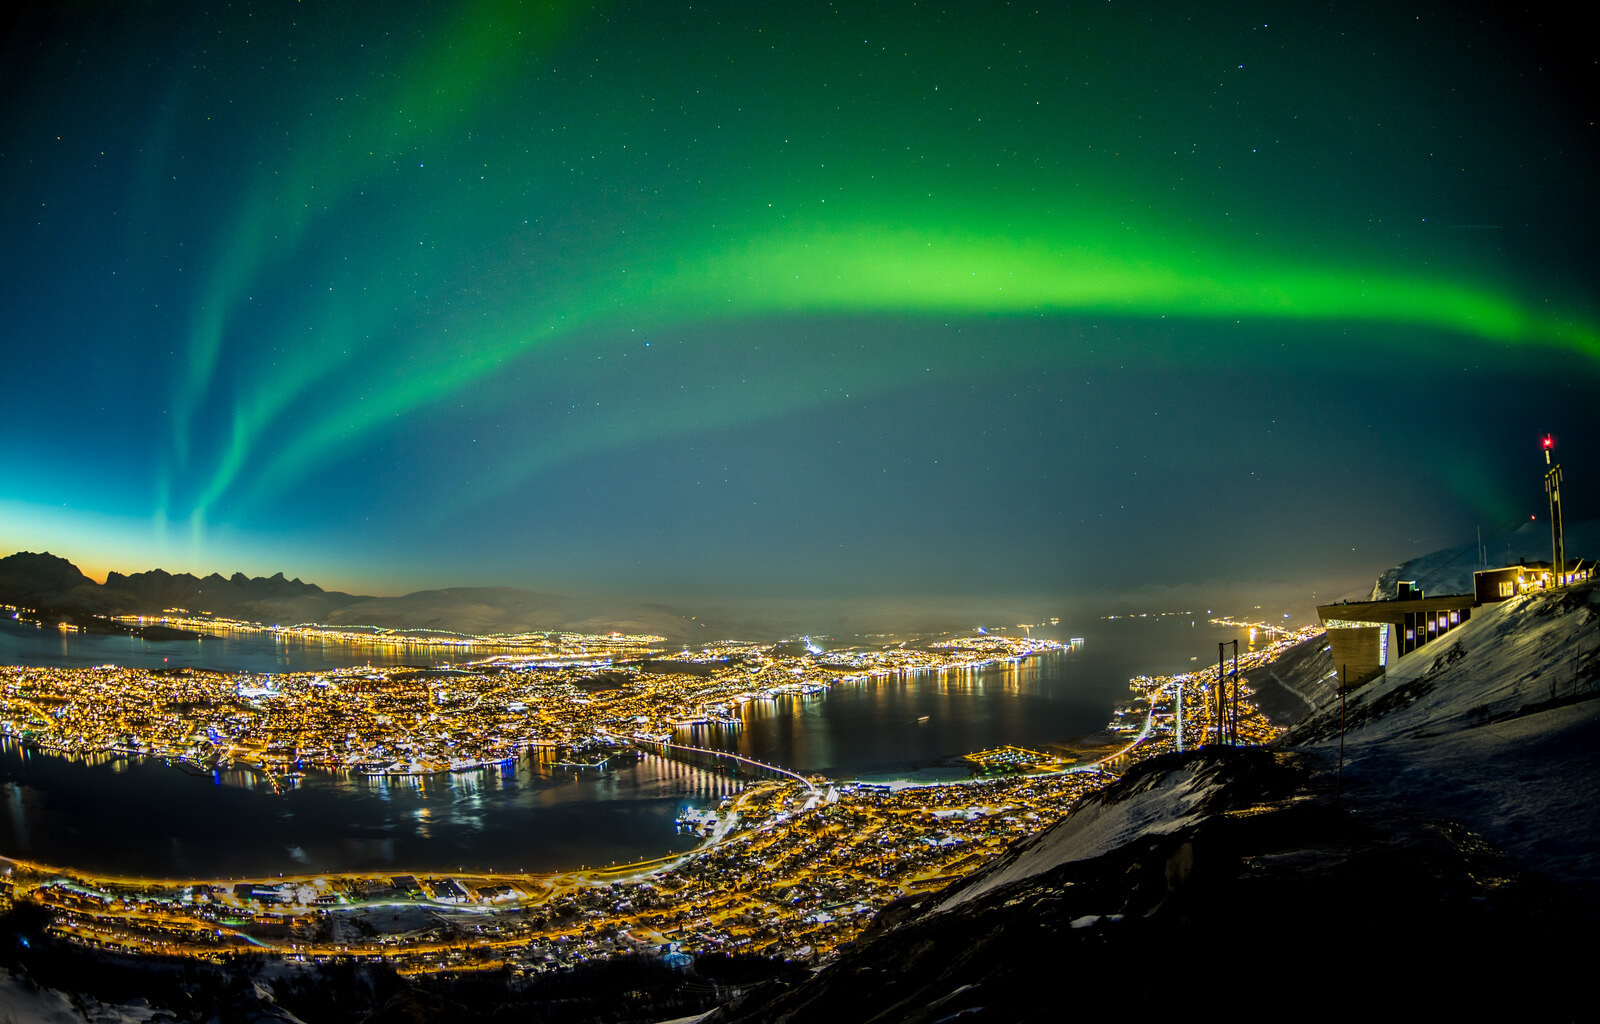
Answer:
(384, 221)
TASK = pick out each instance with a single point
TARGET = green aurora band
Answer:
(723, 256)
(867, 269)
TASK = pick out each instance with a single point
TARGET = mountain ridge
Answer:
(50, 583)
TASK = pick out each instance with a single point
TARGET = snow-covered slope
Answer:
(1297, 682)
(22, 1001)
(1495, 724)
(25, 1001)
(1449, 570)
(1154, 805)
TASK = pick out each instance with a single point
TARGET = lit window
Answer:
(1455, 617)
(1507, 588)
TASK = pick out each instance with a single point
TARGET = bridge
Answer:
(737, 757)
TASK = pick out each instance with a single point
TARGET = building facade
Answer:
(1367, 636)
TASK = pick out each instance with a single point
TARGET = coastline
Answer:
(769, 837)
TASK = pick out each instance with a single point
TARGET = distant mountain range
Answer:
(48, 581)
(51, 583)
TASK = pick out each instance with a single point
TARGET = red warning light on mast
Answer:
(1549, 442)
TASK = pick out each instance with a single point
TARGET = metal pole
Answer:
(1552, 487)
(1338, 789)
(1221, 708)
(1235, 716)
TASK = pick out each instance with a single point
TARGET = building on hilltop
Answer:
(1366, 635)
(1490, 585)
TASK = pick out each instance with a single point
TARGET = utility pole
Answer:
(1222, 706)
(1227, 731)
(1552, 487)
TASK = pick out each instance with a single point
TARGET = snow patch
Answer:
(1096, 828)
(22, 1000)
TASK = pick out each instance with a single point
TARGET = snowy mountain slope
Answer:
(1257, 889)
(23, 1001)
(1496, 724)
(1449, 570)
(1473, 726)
(1156, 804)
(1297, 682)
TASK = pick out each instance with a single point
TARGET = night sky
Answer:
(745, 302)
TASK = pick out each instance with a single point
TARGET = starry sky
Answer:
(747, 302)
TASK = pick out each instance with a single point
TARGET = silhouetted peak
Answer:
(27, 572)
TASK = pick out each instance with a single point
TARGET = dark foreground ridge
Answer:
(1275, 897)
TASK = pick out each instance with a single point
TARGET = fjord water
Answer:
(145, 817)
(911, 726)
(22, 643)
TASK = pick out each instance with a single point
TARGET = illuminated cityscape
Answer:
(786, 868)
(425, 721)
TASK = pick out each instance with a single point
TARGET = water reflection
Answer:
(135, 815)
(142, 816)
(259, 651)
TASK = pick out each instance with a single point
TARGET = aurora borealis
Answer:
(744, 301)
